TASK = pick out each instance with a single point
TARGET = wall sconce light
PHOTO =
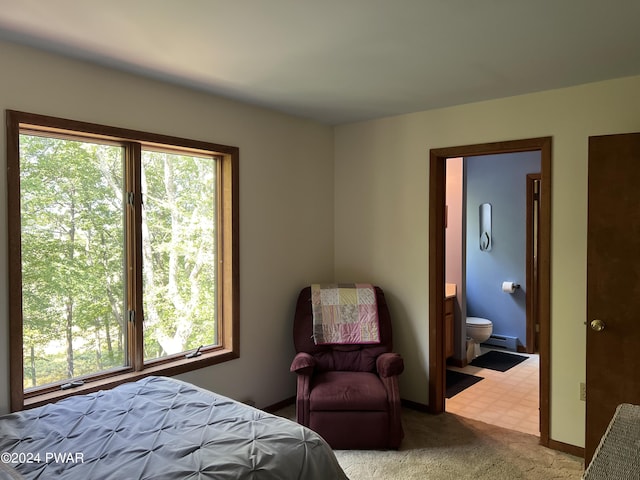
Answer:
(485, 227)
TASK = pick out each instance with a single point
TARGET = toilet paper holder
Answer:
(510, 287)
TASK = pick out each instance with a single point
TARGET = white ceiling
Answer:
(339, 61)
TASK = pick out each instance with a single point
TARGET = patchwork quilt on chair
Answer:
(344, 314)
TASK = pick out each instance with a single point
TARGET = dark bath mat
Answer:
(458, 381)
(496, 360)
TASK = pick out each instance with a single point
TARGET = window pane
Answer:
(179, 252)
(72, 239)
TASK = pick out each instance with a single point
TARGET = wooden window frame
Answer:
(228, 261)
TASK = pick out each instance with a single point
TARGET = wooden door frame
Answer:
(437, 190)
(533, 239)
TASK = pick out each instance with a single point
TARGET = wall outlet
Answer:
(583, 391)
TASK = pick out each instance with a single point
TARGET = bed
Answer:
(159, 428)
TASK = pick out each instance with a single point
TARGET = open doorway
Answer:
(437, 210)
(491, 375)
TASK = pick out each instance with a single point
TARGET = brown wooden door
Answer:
(613, 281)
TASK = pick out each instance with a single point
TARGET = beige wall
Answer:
(286, 198)
(381, 219)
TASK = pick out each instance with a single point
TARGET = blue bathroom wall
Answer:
(501, 181)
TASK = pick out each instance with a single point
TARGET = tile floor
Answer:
(508, 399)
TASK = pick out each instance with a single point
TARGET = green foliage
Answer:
(179, 252)
(73, 256)
(72, 253)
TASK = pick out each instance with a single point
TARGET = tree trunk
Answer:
(33, 366)
(69, 320)
(69, 332)
(113, 302)
(98, 346)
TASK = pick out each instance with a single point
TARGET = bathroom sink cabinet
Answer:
(449, 348)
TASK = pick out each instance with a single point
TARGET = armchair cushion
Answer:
(347, 391)
(356, 359)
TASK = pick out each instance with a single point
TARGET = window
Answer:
(123, 255)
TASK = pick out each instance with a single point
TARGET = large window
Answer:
(123, 255)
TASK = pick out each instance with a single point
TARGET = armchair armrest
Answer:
(389, 364)
(303, 364)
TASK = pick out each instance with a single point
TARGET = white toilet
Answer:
(479, 330)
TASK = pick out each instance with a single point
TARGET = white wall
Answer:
(286, 199)
(382, 217)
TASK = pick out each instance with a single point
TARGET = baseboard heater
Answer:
(504, 341)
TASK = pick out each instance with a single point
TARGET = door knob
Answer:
(597, 325)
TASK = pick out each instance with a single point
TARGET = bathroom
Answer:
(480, 257)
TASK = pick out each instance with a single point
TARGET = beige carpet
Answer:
(443, 447)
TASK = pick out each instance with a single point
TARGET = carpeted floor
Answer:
(449, 447)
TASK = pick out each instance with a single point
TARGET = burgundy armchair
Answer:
(348, 393)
